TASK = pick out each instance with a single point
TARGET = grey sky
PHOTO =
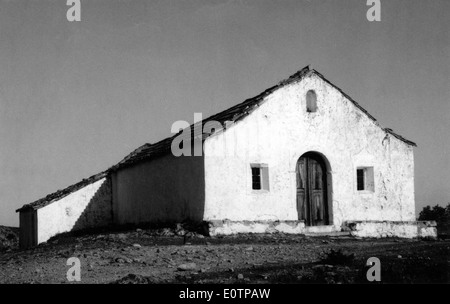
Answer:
(75, 98)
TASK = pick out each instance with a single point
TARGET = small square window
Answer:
(365, 179)
(256, 178)
(260, 177)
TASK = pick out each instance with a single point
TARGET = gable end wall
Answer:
(279, 132)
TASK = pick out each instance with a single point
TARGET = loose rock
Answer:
(187, 267)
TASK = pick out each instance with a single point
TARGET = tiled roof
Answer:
(62, 193)
(163, 147)
(232, 114)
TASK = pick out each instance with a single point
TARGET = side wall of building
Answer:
(88, 207)
(162, 190)
(28, 228)
(279, 132)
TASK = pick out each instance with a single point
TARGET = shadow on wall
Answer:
(183, 190)
(98, 212)
(80, 207)
(161, 191)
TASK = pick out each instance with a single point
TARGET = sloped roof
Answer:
(62, 193)
(163, 147)
(232, 114)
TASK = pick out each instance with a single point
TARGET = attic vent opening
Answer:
(311, 101)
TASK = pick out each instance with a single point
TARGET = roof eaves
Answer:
(47, 200)
(398, 136)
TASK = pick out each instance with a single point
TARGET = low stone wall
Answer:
(366, 229)
(401, 229)
(227, 227)
(427, 229)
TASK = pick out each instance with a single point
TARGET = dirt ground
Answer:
(143, 256)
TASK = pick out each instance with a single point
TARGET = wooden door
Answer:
(312, 204)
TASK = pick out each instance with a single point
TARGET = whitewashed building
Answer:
(301, 157)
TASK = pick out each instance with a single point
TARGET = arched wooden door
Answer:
(312, 205)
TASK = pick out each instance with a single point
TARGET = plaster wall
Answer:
(162, 190)
(88, 207)
(279, 132)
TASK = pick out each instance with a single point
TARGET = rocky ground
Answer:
(166, 256)
(9, 238)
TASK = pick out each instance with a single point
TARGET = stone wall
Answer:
(364, 229)
(402, 229)
(228, 227)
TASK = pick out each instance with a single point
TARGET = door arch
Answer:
(313, 191)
